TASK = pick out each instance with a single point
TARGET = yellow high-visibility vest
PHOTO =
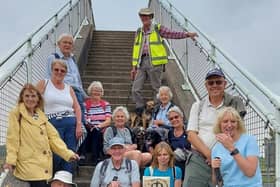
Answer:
(157, 50)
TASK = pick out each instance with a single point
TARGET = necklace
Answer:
(178, 132)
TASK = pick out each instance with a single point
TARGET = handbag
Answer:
(11, 181)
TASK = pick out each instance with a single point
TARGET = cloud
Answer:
(248, 30)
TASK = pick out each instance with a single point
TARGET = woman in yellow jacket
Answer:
(31, 139)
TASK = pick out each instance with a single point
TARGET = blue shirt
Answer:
(231, 173)
(72, 77)
(125, 178)
(166, 173)
(162, 115)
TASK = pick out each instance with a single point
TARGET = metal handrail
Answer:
(33, 34)
(258, 85)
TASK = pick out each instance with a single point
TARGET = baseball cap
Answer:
(116, 141)
(215, 72)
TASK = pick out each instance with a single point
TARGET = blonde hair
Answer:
(159, 147)
(59, 62)
(234, 114)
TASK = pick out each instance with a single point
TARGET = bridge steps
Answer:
(109, 61)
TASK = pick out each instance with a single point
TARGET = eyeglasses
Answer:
(174, 117)
(59, 70)
(217, 82)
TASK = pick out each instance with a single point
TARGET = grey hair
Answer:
(175, 109)
(95, 84)
(165, 88)
(122, 109)
(63, 35)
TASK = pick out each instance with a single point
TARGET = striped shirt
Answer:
(97, 113)
(163, 32)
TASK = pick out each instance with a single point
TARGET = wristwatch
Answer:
(234, 152)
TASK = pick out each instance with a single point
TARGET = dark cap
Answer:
(215, 72)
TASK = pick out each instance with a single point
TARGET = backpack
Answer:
(104, 167)
(133, 137)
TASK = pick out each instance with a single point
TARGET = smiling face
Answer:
(58, 72)
(164, 97)
(175, 119)
(117, 152)
(30, 99)
(96, 93)
(120, 119)
(215, 86)
(66, 45)
(163, 158)
(229, 125)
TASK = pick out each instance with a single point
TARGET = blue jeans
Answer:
(80, 99)
(66, 128)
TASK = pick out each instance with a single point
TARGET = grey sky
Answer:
(247, 29)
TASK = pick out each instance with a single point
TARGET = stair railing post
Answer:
(186, 86)
(29, 61)
(277, 150)
(69, 24)
(55, 31)
(213, 53)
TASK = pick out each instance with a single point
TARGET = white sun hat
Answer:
(63, 176)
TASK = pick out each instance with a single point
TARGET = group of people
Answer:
(52, 116)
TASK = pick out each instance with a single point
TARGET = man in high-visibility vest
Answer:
(149, 55)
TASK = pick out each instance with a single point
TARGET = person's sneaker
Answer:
(139, 111)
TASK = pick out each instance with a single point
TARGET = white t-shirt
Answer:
(57, 100)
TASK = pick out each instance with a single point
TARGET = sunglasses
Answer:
(59, 70)
(174, 117)
(217, 82)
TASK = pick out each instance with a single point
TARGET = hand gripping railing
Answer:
(195, 58)
(27, 61)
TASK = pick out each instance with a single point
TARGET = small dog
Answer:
(152, 138)
(145, 118)
(139, 133)
(147, 114)
(135, 120)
